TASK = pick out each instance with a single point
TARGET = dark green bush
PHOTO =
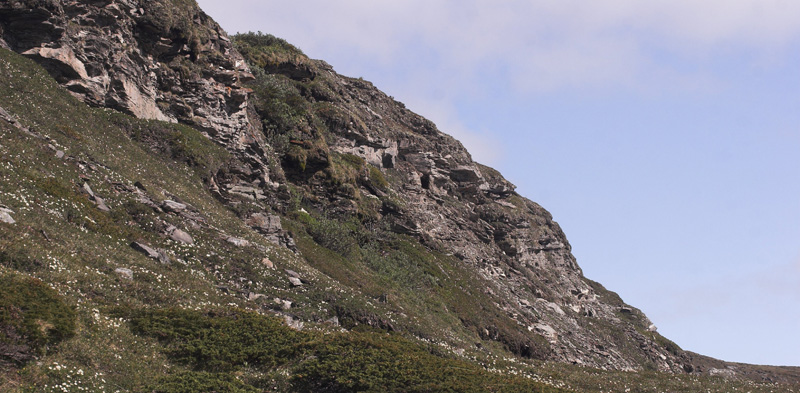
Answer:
(174, 18)
(16, 257)
(261, 49)
(337, 236)
(201, 382)
(377, 179)
(33, 318)
(380, 362)
(367, 360)
(221, 341)
(280, 104)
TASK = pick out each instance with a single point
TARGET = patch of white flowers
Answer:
(64, 379)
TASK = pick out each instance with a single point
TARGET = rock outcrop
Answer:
(153, 59)
(457, 206)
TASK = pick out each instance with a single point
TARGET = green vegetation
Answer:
(264, 50)
(33, 318)
(376, 178)
(278, 99)
(365, 361)
(179, 142)
(379, 362)
(432, 287)
(221, 341)
(280, 104)
(294, 103)
(284, 89)
(201, 382)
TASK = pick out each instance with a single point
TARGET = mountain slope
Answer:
(436, 194)
(287, 189)
(120, 317)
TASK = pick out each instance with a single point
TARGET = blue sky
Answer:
(664, 136)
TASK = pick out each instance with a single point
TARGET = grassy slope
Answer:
(62, 239)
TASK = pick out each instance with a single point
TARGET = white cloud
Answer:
(544, 45)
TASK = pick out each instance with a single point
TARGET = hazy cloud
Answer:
(779, 282)
(543, 45)
(751, 294)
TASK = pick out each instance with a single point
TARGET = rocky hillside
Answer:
(169, 191)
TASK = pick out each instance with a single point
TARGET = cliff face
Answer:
(163, 60)
(316, 155)
(436, 194)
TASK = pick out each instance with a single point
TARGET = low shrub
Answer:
(221, 341)
(262, 50)
(33, 318)
(380, 362)
(377, 179)
(363, 360)
(201, 382)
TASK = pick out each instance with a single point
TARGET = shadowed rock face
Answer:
(110, 54)
(158, 60)
(167, 60)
